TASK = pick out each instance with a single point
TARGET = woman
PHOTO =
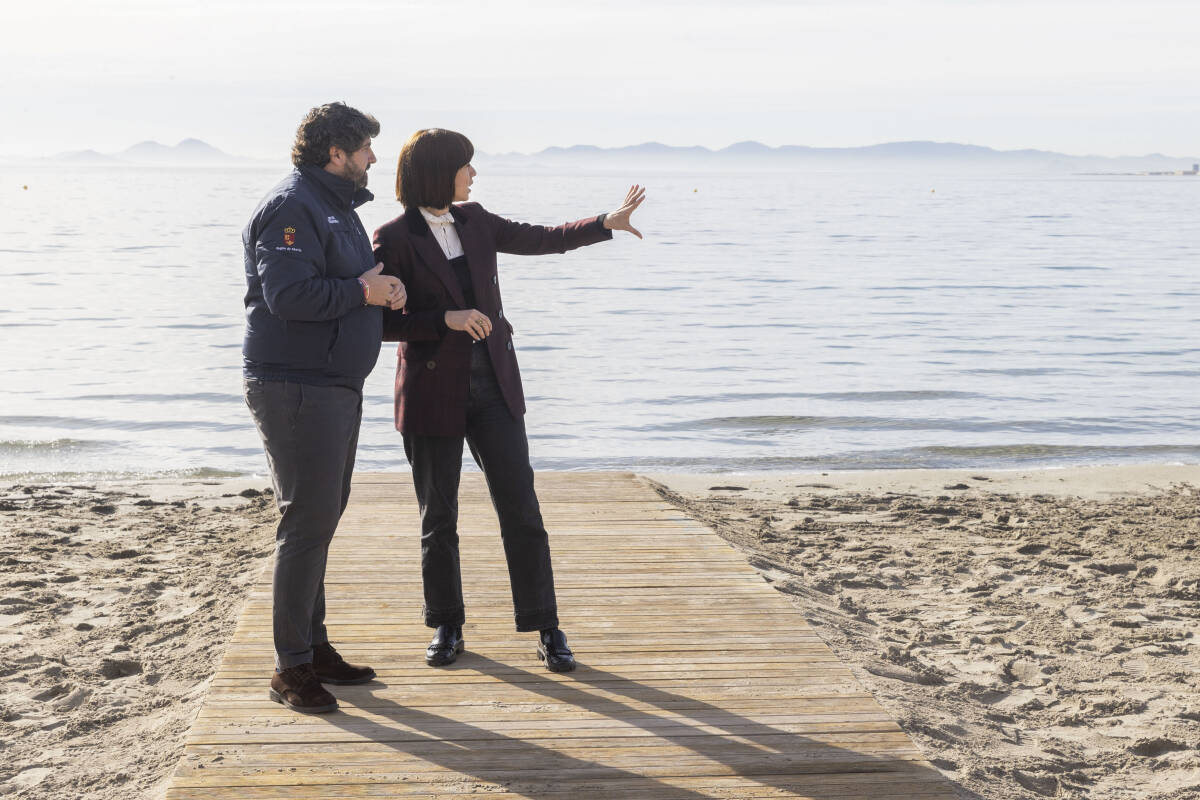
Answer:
(457, 379)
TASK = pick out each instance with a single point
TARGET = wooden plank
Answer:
(696, 679)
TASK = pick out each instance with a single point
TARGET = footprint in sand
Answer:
(1046, 785)
(73, 700)
(113, 668)
(1111, 569)
(14, 605)
(31, 776)
(1153, 748)
(1025, 672)
(58, 690)
(25, 584)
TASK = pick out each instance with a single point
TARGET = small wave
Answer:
(27, 446)
(634, 288)
(125, 474)
(899, 396)
(86, 423)
(202, 325)
(984, 457)
(191, 397)
(1025, 371)
(759, 425)
(983, 287)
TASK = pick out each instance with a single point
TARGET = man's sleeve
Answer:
(291, 266)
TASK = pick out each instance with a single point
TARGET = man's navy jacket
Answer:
(305, 318)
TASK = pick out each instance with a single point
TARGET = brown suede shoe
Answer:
(299, 689)
(332, 668)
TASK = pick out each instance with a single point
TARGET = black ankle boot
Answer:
(445, 646)
(552, 648)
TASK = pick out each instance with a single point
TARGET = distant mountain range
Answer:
(743, 155)
(757, 155)
(187, 152)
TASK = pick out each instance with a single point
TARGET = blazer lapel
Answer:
(477, 249)
(430, 252)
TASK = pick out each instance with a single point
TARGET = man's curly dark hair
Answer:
(331, 125)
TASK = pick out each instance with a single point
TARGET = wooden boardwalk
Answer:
(696, 678)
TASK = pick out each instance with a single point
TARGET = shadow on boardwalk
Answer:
(781, 762)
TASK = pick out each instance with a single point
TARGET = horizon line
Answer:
(648, 143)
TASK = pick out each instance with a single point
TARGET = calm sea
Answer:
(768, 321)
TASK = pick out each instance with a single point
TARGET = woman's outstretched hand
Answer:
(619, 220)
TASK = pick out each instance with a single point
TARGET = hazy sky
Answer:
(1079, 76)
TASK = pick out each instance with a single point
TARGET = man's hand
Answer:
(472, 321)
(383, 290)
(619, 220)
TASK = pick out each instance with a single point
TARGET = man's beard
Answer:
(359, 179)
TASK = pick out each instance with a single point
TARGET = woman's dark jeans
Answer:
(498, 445)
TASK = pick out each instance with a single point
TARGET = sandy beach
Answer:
(1033, 631)
(116, 604)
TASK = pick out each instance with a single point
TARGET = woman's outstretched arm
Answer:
(520, 238)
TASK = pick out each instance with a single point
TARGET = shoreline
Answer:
(1119, 476)
(1030, 629)
(1091, 482)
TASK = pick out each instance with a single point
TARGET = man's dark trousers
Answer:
(500, 448)
(310, 434)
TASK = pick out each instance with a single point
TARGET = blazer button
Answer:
(430, 364)
(493, 280)
(500, 313)
(510, 345)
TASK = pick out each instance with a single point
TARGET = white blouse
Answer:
(442, 226)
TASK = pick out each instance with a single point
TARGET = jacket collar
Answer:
(344, 193)
(419, 227)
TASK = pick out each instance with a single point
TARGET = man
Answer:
(313, 333)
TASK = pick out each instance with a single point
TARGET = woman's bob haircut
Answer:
(428, 163)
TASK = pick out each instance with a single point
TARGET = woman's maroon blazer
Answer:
(433, 373)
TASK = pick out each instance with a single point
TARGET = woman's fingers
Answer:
(481, 326)
(632, 200)
(471, 321)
